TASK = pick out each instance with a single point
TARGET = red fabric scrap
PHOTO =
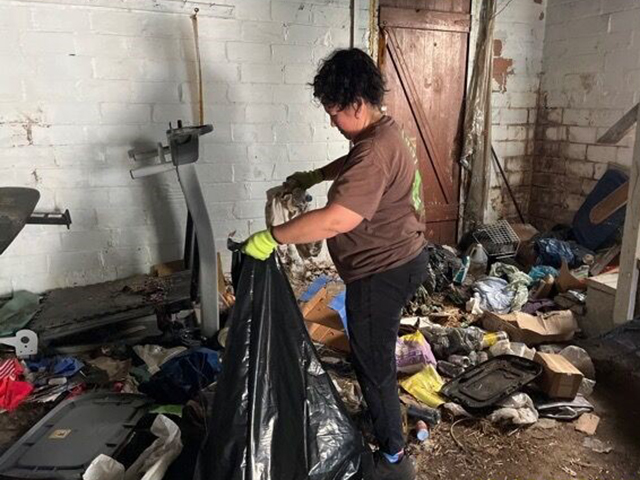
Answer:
(13, 393)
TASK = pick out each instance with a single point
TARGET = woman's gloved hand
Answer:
(260, 245)
(305, 180)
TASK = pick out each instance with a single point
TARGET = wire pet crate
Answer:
(499, 240)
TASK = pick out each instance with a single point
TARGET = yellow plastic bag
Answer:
(425, 386)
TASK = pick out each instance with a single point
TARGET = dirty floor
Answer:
(479, 451)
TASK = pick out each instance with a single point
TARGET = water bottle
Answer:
(478, 261)
(422, 431)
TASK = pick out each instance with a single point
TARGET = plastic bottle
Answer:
(428, 415)
(461, 274)
(490, 339)
(422, 431)
(478, 261)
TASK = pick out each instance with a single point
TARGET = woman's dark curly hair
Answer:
(347, 76)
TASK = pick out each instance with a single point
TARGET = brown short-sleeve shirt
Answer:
(376, 182)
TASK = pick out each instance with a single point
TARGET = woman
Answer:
(375, 234)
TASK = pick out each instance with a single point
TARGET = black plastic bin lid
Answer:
(65, 442)
(486, 384)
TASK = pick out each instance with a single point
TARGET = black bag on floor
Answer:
(276, 414)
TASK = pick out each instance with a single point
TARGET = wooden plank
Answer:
(416, 108)
(313, 302)
(628, 280)
(417, 19)
(621, 127)
(610, 204)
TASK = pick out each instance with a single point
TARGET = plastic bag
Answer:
(425, 386)
(413, 353)
(276, 414)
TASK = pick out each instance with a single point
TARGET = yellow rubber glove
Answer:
(305, 180)
(260, 245)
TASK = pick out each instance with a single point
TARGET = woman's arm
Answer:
(317, 225)
(332, 170)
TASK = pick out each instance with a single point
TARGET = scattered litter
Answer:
(518, 283)
(538, 272)
(117, 370)
(487, 384)
(563, 409)
(580, 359)
(456, 410)
(546, 423)
(588, 423)
(180, 378)
(532, 330)
(586, 387)
(516, 410)
(494, 294)
(560, 378)
(552, 252)
(596, 445)
(154, 356)
(413, 353)
(425, 386)
(103, 467)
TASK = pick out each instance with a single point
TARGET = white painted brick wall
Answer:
(591, 77)
(83, 81)
(518, 41)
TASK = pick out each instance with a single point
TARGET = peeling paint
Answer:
(501, 71)
(497, 48)
(36, 177)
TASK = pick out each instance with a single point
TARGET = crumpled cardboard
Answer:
(558, 326)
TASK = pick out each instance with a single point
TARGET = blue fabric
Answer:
(538, 272)
(338, 303)
(183, 376)
(314, 288)
(57, 366)
(552, 252)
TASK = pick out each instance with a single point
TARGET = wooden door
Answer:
(423, 54)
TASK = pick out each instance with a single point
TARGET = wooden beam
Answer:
(418, 19)
(626, 294)
(621, 127)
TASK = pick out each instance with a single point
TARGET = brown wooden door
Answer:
(424, 58)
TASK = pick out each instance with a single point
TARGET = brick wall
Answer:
(83, 82)
(591, 78)
(517, 63)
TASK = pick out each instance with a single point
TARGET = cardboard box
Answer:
(556, 326)
(560, 379)
(323, 323)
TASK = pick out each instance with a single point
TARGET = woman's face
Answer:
(350, 120)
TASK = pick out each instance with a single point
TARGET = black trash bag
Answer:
(276, 414)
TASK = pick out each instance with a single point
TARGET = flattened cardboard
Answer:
(324, 323)
(558, 326)
(560, 379)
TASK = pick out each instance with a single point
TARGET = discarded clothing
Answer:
(413, 353)
(154, 356)
(183, 376)
(285, 204)
(13, 393)
(539, 272)
(494, 294)
(552, 252)
(10, 368)
(518, 283)
(18, 312)
(542, 305)
(54, 367)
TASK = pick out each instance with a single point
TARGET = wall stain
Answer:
(502, 68)
(588, 80)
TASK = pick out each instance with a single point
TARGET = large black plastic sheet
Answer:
(276, 414)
